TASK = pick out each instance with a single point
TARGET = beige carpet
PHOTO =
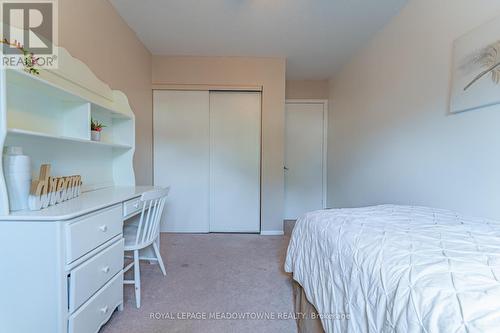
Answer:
(218, 275)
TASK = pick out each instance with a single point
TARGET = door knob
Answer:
(286, 169)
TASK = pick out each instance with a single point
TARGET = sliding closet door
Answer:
(181, 158)
(235, 161)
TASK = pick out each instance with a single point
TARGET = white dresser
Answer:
(61, 268)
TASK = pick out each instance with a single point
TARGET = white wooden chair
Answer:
(143, 234)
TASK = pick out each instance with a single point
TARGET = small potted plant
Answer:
(95, 130)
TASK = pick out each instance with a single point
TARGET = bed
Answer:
(398, 269)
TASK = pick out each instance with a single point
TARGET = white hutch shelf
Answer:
(19, 132)
(49, 116)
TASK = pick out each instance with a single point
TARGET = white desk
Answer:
(61, 267)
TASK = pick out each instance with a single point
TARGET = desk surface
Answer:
(86, 203)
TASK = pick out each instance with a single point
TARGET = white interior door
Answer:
(304, 158)
(235, 161)
(181, 157)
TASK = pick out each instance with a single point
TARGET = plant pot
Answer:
(95, 135)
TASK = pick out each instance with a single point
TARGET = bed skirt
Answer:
(307, 317)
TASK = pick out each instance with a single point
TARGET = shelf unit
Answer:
(49, 116)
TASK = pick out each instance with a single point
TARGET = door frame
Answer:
(323, 102)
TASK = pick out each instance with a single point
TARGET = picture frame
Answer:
(476, 68)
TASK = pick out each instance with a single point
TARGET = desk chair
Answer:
(145, 233)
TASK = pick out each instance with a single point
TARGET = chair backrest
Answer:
(153, 203)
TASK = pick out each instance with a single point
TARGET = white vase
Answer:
(17, 173)
(95, 135)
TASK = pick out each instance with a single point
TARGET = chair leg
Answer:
(160, 260)
(137, 279)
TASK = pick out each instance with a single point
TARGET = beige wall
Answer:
(392, 137)
(93, 32)
(306, 89)
(239, 71)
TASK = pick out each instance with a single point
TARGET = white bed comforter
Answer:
(398, 269)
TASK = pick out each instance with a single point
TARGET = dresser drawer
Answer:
(132, 206)
(89, 232)
(93, 314)
(90, 276)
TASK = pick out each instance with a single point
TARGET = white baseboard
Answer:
(272, 233)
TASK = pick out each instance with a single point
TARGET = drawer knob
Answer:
(103, 228)
(136, 205)
(105, 309)
(106, 269)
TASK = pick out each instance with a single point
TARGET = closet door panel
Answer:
(235, 161)
(181, 158)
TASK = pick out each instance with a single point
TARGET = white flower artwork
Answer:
(476, 68)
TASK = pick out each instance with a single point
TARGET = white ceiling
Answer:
(316, 36)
